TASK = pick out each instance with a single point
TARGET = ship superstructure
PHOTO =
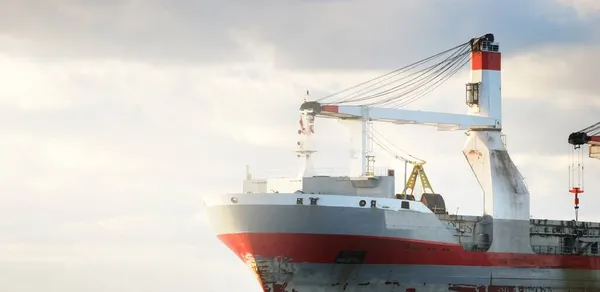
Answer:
(357, 233)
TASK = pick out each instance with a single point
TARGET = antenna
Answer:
(248, 174)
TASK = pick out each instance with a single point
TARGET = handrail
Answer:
(540, 249)
(325, 171)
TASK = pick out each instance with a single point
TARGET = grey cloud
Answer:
(585, 8)
(303, 34)
(143, 30)
(561, 73)
(378, 40)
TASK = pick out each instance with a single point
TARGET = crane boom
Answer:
(443, 121)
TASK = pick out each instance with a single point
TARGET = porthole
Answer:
(234, 200)
(362, 203)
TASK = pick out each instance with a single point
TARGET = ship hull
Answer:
(338, 246)
(315, 262)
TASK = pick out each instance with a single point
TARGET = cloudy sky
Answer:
(116, 116)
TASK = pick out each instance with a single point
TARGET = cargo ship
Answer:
(318, 233)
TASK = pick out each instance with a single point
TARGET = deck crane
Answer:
(381, 98)
(591, 136)
(506, 197)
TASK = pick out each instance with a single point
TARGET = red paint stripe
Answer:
(486, 61)
(331, 108)
(595, 138)
(321, 248)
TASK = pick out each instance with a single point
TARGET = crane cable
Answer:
(593, 130)
(422, 77)
(399, 70)
(417, 81)
(429, 88)
(426, 80)
(376, 136)
(401, 85)
(425, 87)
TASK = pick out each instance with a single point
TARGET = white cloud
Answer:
(562, 75)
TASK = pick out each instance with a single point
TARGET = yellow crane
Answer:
(429, 198)
(417, 172)
(435, 202)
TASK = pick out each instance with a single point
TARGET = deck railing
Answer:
(565, 250)
(320, 171)
(540, 249)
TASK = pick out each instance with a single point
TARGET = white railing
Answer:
(327, 171)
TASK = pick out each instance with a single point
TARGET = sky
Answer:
(117, 116)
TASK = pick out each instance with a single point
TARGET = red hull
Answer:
(322, 249)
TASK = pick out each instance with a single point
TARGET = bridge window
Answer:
(473, 93)
(405, 205)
